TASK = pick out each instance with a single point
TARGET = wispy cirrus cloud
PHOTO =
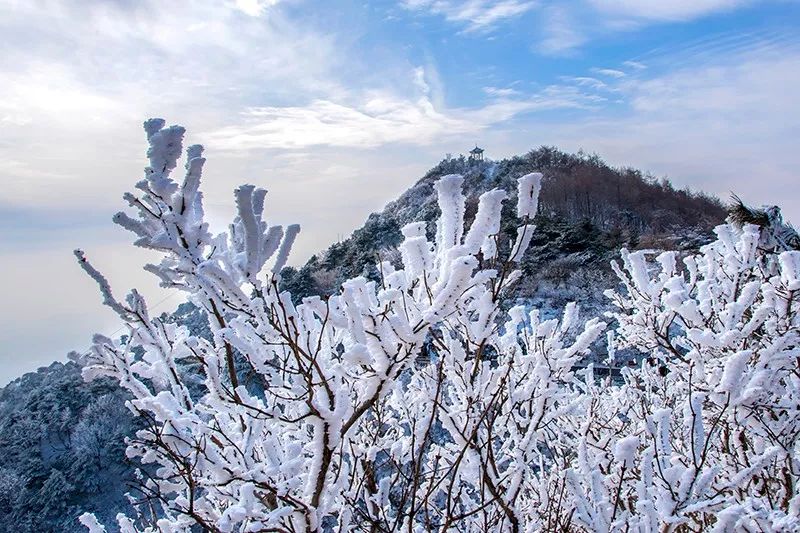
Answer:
(635, 65)
(609, 72)
(383, 118)
(661, 10)
(722, 126)
(561, 27)
(564, 27)
(474, 15)
(380, 120)
(501, 91)
(585, 81)
(104, 67)
(560, 33)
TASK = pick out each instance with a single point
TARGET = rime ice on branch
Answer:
(415, 403)
(303, 446)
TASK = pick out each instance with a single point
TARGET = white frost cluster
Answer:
(530, 185)
(415, 403)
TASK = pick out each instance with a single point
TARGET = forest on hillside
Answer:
(588, 210)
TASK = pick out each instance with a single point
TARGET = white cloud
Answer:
(561, 34)
(501, 91)
(382, 118)
(723, 127)
(476, 15)
(586, 81)
(78, 81)
(379, 120)
(666, 10)
(254, 8)
(609, 72)
(635, 65)
(565, 26)
(166, 51)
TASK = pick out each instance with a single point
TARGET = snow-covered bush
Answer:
(705, 435)
(411, 403)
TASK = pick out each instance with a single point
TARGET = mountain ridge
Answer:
(582, 198)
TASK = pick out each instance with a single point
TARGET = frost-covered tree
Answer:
(704, 436)
(341, 430)
(412, 402)
(62, 450)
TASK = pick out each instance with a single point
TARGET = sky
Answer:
(336, 107)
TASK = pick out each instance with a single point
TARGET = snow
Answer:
(625, 451)
(790, 269)
(528, 189)
(487, 220)
(450, 225)
(286, 247)
(403, 403)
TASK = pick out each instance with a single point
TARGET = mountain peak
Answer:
(587, 210)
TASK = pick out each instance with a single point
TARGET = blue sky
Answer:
(337, 107)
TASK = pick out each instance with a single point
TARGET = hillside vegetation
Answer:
(588, 210)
